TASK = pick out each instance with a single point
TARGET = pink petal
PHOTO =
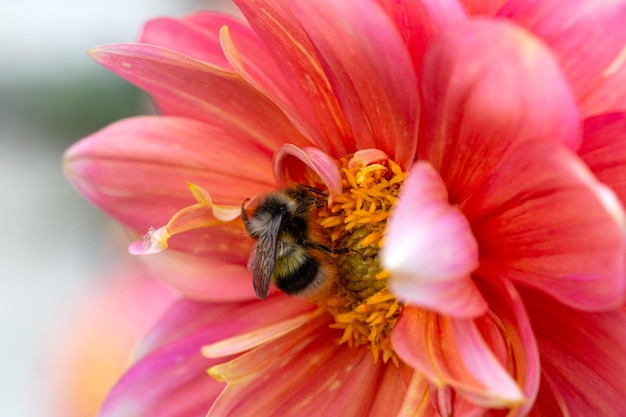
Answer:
(453, 352)
(519, 351)
(419, 21)
(608, 94)
(185, 36)
(370, 71)
(389, 398)
(200, 36)
(429, 249)
(307, 166)
(482, 7)
(583, 358)
(474, 114)
(137, 169)
(423, 400)
(183, 86)
(554, 227)
(247, 58)
(280, 30)
(604, 150)
(447, 403)
(215, 278)
(416, 401)
(171, 380)
(247, 341)
(190, 316)
(549, 402)
(224, 41)
(310, 374)
(588, 38)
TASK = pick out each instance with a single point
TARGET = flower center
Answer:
(361, 304)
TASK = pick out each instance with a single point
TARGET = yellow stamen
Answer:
(363, 307)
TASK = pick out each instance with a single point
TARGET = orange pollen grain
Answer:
(363, 308)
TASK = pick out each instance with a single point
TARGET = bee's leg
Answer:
(319, 195)
(328, 251)
(314, 190)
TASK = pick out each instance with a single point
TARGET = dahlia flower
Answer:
(471, 164)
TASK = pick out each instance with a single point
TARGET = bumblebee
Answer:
(288, 249)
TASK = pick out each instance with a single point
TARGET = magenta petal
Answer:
(170, 380)
(588, 38)
(183, 86)
(583, 359)
(473, 114)
(544, 221)
(429, 249)
(604, 150)
(370, 71)
(137, 169)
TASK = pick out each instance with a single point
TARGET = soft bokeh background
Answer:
(57, 253)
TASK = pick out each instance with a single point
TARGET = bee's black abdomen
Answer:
(299, 279)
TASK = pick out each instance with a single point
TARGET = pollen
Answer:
(363, 308)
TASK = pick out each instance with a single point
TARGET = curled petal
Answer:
(543, 220)
(307, 166)
(429, 249)
(137, 169)
(604, 150)
(474, 114)
(453, 352)
(589, 39)
(183, 86)
(247, 54)
(380, 106)
(366, 157)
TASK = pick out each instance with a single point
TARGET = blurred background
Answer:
(69, 291)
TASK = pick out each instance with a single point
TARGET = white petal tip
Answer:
(154, 241)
